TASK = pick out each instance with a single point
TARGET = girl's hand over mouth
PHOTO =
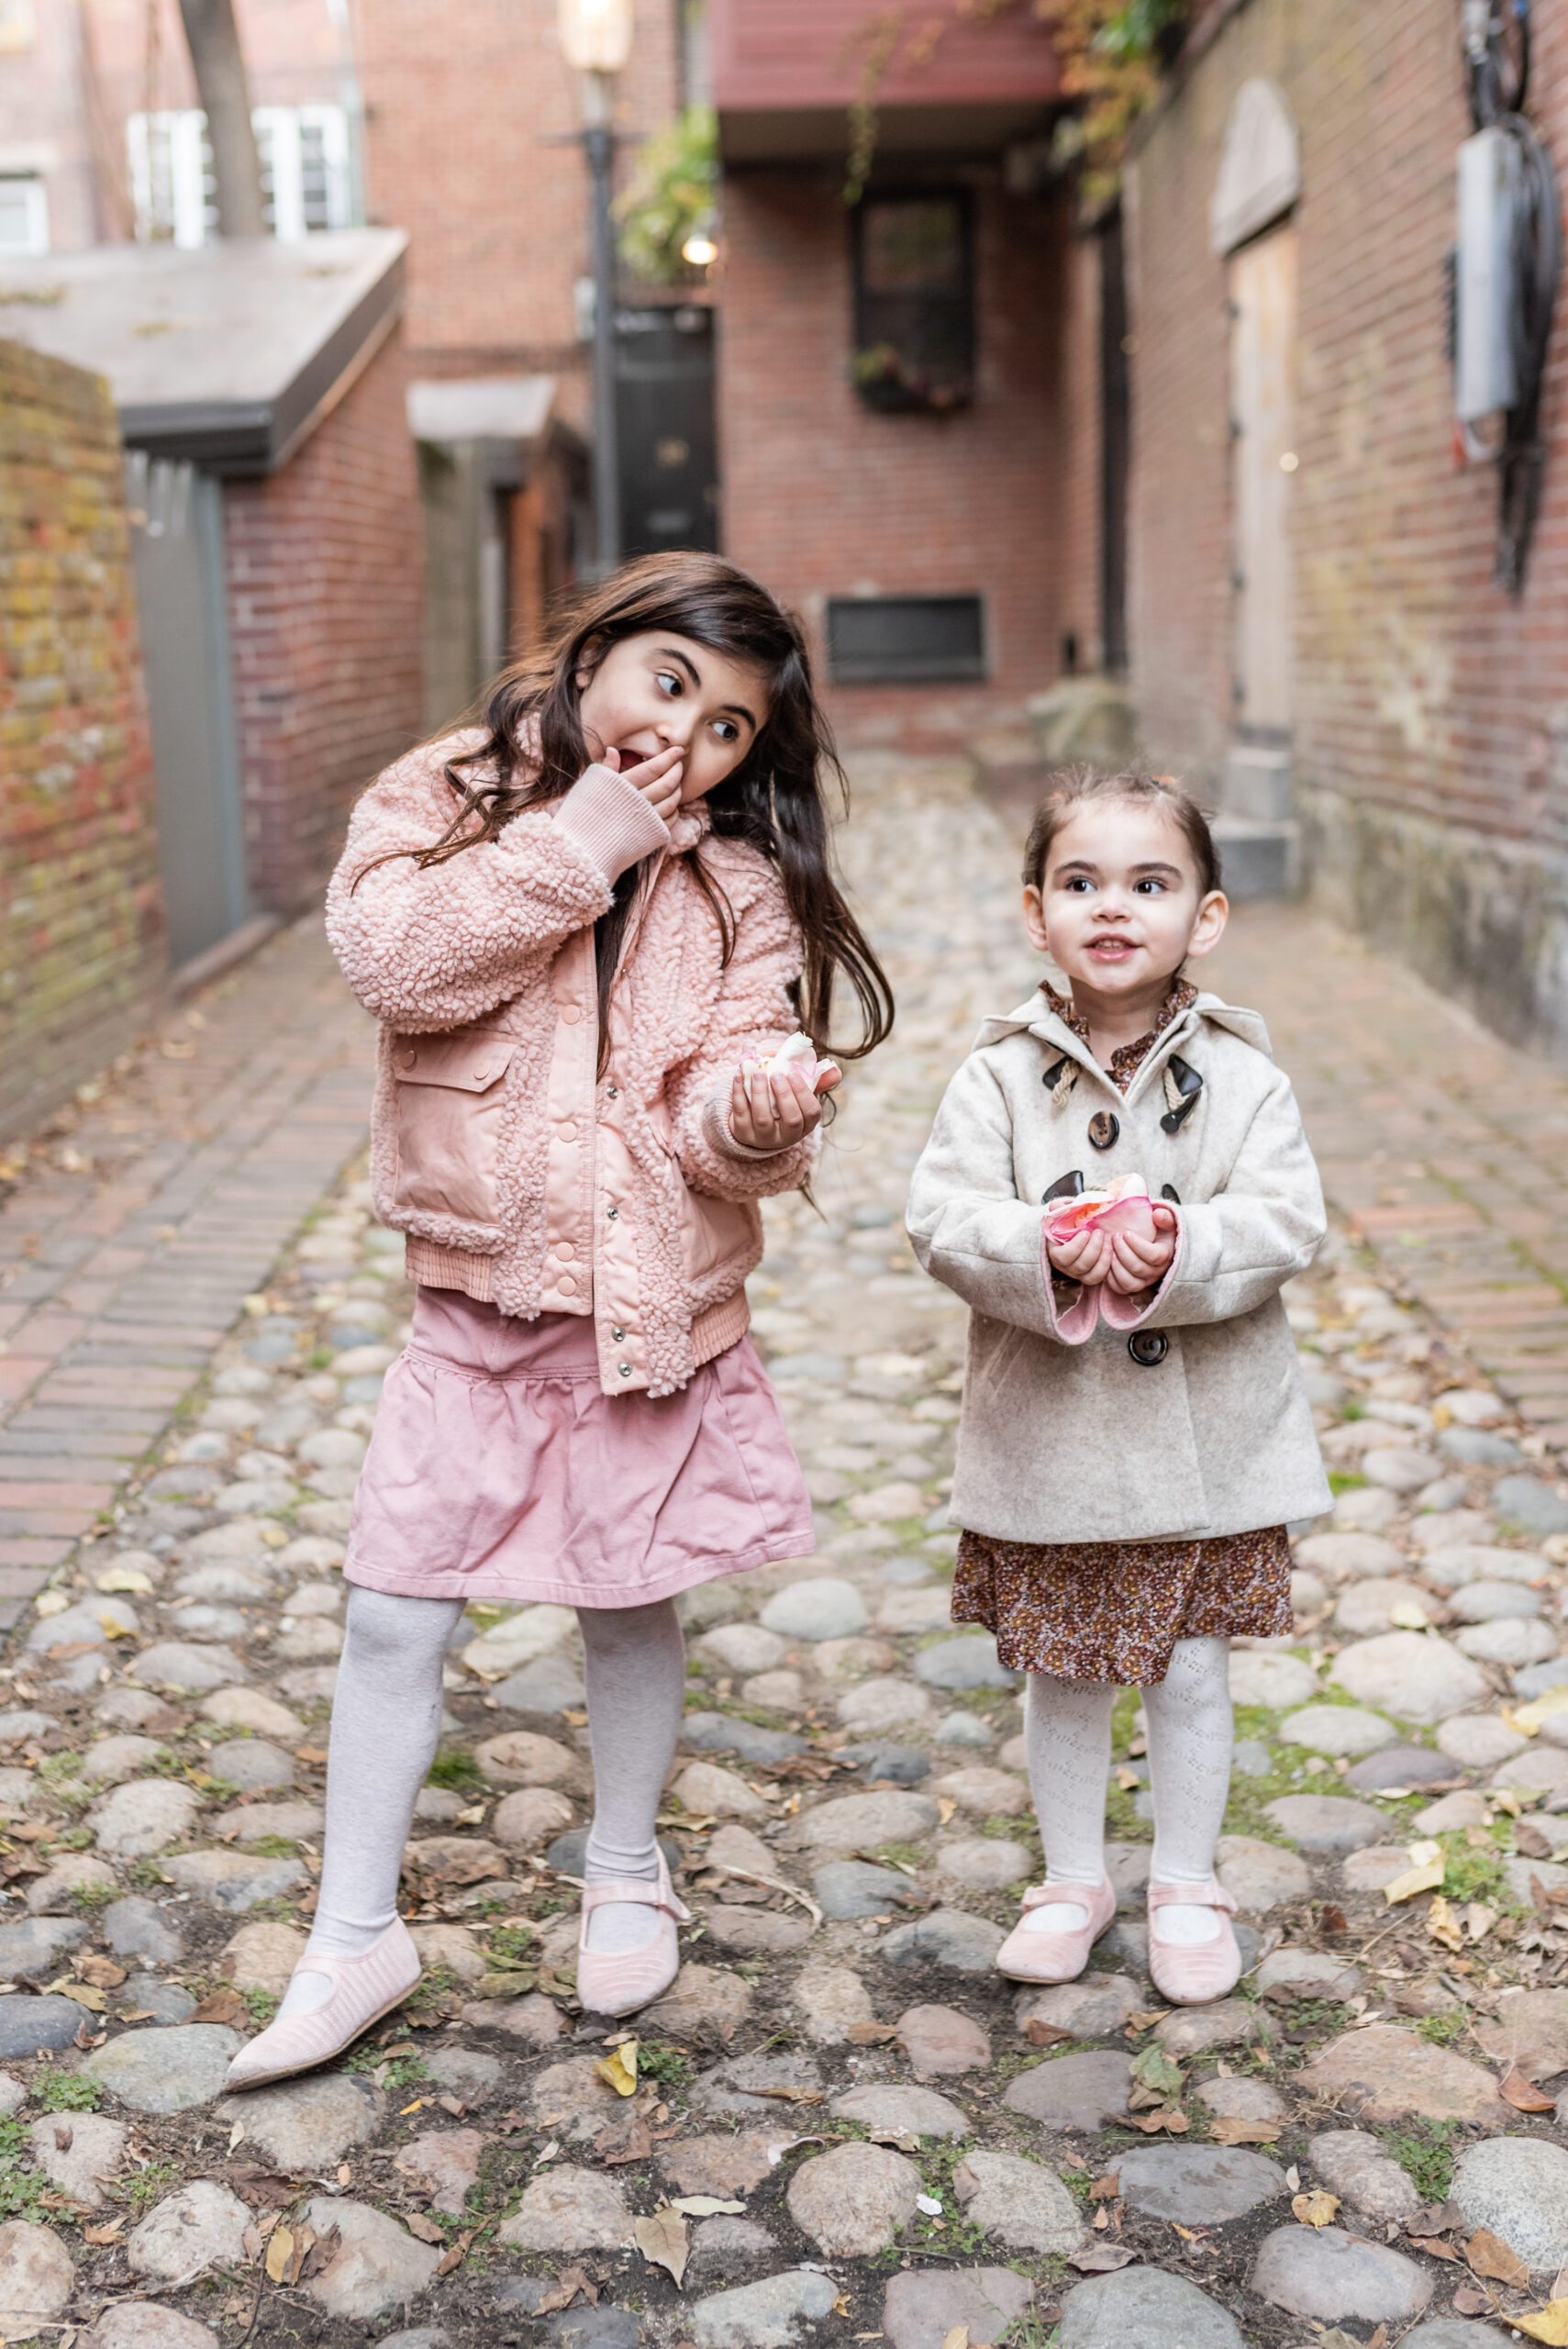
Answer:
(658, 779)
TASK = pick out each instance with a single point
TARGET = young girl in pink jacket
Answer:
(585, 928)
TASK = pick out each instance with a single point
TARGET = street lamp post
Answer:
(595, 37)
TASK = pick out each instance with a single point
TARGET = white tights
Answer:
(1067, 1726)
(386, 1720)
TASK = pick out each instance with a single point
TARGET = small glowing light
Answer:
(1289, 461)
(699, 249)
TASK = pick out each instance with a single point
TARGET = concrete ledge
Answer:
(202, 969)
(1258, 859)
(1479, 916)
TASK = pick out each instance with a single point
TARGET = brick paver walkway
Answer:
(1445, 1147)
(141, 1221)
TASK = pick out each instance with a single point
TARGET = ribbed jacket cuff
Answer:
(610, 821)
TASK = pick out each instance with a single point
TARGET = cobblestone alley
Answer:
(841, 2125)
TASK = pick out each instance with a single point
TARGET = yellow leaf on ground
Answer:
(957, 2339)
(619, 2068)
(1443, 1927)
(1316, 2208)
(1414, 1880)
(1528, 1718)
(1549, 2325)
(1423, 1854)
(280, 2251)
(1408, 1617)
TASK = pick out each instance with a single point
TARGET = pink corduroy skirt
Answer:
(499, 1469)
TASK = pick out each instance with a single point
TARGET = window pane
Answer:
(913, 248)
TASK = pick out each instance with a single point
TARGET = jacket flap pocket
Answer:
(469, 1063)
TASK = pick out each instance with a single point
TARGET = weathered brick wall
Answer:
(1431, 706)
(823, 496)
(468, 147)
(81, 908)
(1075, 539)
(326, 585)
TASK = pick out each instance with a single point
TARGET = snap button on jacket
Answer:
(521, 1174)
(1077, 1428)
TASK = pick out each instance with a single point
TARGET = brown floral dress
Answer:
(1114, 1610)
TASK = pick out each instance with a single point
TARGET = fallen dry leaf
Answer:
(1316, 2208)
(870, 2034)
(1100, 2258)
(280, 2251)
(82, 1992)
(1107, 2188)
(625, 2138)
(1101, 2219)
(102, 1972)
(1549, 2325)
(456, 2256)
(665, 2240)
(1167, 2116)
(222, 2006)
(957, 2339)
(1233, 2128)
(1443, 1927)
(1045, 2034)
(426, 2229)
(1523, 2095)
(564, 2290)
(1487, 2255)
(791, 2095)
(1468, 2301)
(705, 2206)
(104, 2234)
(1433, 2245)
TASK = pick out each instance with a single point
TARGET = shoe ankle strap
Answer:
(1211, 1895)
(1051, 1896)
(638, 1891)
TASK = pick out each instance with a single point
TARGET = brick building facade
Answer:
(81, 913)
(325, 615)
(1428, 717)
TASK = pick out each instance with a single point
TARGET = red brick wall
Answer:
(469, 111)
(823, 496)
(326, 569)
(81, 905)
(1431, 736)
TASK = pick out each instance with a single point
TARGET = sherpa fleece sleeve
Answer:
(967, 1224)
(1236, 1250)
(436, 947)
(754, 1011)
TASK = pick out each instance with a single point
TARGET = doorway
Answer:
(1263, 460)
(664, 423)
(183, 603)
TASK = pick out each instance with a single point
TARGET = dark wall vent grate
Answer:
(905, 640)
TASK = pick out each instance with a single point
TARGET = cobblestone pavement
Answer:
(841, 2125)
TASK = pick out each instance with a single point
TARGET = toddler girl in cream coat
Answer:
(1135, 1436)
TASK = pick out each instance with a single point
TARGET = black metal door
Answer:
(669, 461)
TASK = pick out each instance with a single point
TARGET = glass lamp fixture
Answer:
(701, 248)
(595, 35)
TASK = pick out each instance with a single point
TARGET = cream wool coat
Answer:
(1066, 1434)
(521, 1174)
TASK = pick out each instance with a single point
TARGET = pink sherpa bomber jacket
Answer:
(481, 971)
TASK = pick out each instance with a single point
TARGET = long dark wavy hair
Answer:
(775, 800)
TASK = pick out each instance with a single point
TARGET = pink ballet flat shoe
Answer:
(1190, 1974)
(1061, 1956)
(616, 1984)
(364, 1990)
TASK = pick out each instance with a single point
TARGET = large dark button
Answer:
(1103, 1130)
(1149, 1348)
(1066, 1186)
